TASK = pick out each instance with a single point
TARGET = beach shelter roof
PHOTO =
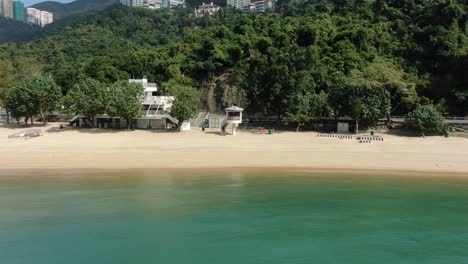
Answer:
(234, 109)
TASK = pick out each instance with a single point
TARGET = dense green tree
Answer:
(400, 85)
(416, 51)
(126, 100)
(19, 103)
(298, 109)
(38, 95)
(46, 95)
(360, 101)
(7, 79)
(185, 101)
(88, 98)
(302, 108)
(426, 119)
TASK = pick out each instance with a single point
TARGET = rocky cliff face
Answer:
(220, 93)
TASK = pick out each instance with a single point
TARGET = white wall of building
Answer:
(153, 4)
(238, 3)
(6, 8)
(38, 17)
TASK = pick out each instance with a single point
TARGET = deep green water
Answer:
(234, 219)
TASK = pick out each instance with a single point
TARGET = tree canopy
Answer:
(368, 58)
(125, 101)
(426, 119)
(38, 95)
(185, 101)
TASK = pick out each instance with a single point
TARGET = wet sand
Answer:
(92, 150)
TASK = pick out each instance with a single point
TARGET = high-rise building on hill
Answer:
(249, 6)
(238, 3)
(18, 11)
(6, 8)
(153, 4)
(38, 17)
(206, 9)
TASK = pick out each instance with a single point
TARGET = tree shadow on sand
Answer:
(90, 130)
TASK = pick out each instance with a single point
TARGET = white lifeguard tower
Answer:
(233, 117)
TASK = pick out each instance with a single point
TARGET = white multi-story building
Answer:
(153, 103)
(259, 6)
(132, 2)
(238, 3)
(174, 3)
(46, 18)
(6, 8)
(34, 15)
(204, 9)
(153, 4)
(38, 17)
(155, 112)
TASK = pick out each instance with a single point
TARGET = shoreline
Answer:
(40, 173)
(75, 150)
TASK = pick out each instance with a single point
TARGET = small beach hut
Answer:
(233, 117)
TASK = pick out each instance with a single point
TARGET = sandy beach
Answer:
(114, 150)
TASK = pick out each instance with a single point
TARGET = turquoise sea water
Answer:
(234, 219)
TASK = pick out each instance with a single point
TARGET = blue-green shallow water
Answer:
(234, 219)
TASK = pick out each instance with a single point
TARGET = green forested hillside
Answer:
(15, 31)
(12, 31)
(359, 58)
(61, 10)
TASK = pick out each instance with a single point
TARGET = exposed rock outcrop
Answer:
(220, 93)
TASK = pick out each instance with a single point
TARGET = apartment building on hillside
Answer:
(153, 4)
(38, 17)
(6, 8)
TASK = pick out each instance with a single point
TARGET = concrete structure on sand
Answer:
(156, 109)
(233, 118)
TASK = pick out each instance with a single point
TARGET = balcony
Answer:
(158, 100)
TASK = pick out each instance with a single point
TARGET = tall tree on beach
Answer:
(38, 95)
(185, 103)
(19, 103)
(46, 96)
(361, 102)
(88, 98)
(125, 101)
(304, 107)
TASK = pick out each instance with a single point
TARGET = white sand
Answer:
(108, 149)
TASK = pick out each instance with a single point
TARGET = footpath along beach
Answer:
(140, 149)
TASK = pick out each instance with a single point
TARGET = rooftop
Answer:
(234, 109)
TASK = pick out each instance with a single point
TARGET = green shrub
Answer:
(426, 119)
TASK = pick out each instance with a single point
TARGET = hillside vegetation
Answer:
(12, 31)
(15, 31)
(364, 59)
(61, 10)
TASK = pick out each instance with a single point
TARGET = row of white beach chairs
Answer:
(362, 139)
(371, 138)
(335, 136)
